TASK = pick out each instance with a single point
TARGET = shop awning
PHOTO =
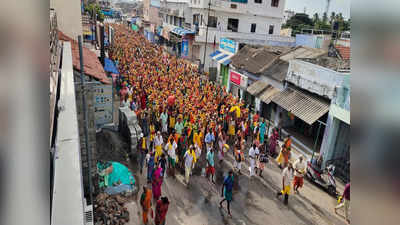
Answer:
(215, 53)
(181, 31)
(257, 87)
(303, 105)
(267, 95)
(226, 62)
(109, 66)
(221, 57)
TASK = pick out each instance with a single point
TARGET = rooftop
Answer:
(92, 65)
(256, 59)
(332, 63)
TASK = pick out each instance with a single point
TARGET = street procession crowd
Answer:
(187, 122)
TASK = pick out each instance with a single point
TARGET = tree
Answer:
(94, 6)
(316, 18)
(332, 18)
(298, 22)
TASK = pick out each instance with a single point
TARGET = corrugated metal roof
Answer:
(257, 87)
(267, 95)
(303, 52)
(303, 105)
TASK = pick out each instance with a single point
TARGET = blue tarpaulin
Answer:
(109, 66)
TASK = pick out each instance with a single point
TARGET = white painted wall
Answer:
(69, 18)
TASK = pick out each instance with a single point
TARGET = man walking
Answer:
(158, 142)
(345, 203)
(210, 167)
(299, 169)
(188, 163)
(287, 176)
(227, 191)
(253, 152)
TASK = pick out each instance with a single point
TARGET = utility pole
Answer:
(205, 45)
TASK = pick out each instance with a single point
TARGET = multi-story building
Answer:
(151, 19)
(244, 21)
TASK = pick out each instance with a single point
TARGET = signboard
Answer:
(235, 77)
(227, 45)
(185, 48)
(238, 79)
(103, 104)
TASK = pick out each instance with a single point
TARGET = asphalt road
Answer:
(254, 202)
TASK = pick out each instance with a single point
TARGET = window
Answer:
(233, 24)
(258, 1)
(271, 29)
(253, 28)
(196, 19)
(201, 19)
(275, 3)
(212, 21)
(233, 6)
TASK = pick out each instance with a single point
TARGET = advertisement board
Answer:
(103, 104)
(235, 77)
(238, 79)
(227, 45)
(185, 48)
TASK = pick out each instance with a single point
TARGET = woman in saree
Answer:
(157, 182)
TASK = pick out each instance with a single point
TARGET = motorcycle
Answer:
(324, 177)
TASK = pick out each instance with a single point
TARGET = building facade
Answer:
(69, 18)
(335, 148)
(151, 19)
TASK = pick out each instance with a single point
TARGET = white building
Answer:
(241, 20)
(244, 21)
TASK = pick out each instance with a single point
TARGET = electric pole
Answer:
(205, 45)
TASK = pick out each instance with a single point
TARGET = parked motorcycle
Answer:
(324, 178)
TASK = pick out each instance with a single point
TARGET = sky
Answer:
(313, 6)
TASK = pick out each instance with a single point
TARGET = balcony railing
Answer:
(201, 37)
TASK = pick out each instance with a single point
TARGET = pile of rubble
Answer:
(110, 210)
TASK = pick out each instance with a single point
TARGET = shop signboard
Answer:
(238, 79)
(227, 45)
(235, 77)
(185, 48)
(103, 104)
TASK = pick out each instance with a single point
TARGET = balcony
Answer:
(244, 37)
(249, 8)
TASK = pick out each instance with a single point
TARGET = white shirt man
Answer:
(158, 140)
(170, 149)
(299, 167)
(188, 163)
(253, 152)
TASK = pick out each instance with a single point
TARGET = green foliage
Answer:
(94, 6)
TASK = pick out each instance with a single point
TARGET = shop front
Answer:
(238, 85)
(181, 40)
(227, 49)
(303, 115)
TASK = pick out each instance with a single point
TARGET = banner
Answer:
(185, 48)
(103, 104)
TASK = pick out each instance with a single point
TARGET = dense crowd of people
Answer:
(182, 115)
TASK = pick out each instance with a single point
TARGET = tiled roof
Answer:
(344, 51)
(303, 52)
(92, 65)
(257, 59)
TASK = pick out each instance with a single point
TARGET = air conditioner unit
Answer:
(88, 213)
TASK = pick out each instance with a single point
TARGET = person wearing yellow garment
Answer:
(189, 160)
(171, 123)
(158, 142)
(142, 147)
(152, 134)
(287, 177)
(170, 148)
